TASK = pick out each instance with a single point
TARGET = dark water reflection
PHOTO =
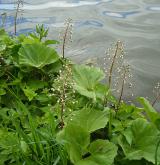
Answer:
(97, 24)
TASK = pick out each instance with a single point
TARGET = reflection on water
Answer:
(120, 14)
(89, 23)
(154, 8)
(97, 24)
(55, 4)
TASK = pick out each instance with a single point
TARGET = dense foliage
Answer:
(53, 111)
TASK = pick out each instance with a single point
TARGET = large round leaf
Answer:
(140, 141)
(86, 80)
(37, 55)
(77, 140)
(91, 120)
(102, 152)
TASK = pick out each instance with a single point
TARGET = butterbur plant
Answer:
(18, 6)
(41, 31)
(66, 35)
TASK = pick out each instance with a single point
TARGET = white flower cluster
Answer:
(66, 35)
(118, 72)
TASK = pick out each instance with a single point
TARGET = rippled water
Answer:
(97, 24)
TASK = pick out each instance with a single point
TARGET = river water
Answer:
(98, 24)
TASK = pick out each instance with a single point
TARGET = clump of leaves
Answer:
(53, 111)
(77, 138)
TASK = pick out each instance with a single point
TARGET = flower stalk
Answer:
(66, 36)
(112, 65)
(117, 54)
(19, 3)
(157, 93)
(122, 87)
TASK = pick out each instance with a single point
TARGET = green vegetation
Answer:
(55, 112)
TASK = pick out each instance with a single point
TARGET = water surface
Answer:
(97, 24)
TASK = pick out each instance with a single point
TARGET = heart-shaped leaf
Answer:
(86, 80)
(102, 152)
(37, 55)
(90, 119)
(76, 139)
(140, 141)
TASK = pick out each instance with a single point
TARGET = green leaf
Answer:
(24, 146)
(36, 84)
(102, 152)
(8, 145)
(37, 55)
(140, 140)
(2, 47)
(2, 33)
(53, 68)
(29, 93)
(43, 98)
(76, 134)
(30, 40)
(157, 123)
(86, 162)
(90, 119)
(129, 112)
(86, 79)
(16, 81)
(2, 91)
(49, 42)
(152, 114)
(101, 91)
(117, 125)
(77, 139)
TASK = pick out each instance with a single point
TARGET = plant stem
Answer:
(111, 71)
(62, 106)
(110, 125)
(64, 39)
(156, 99)
(16, 15)
(122, 88)
(3, 15)
(112, 66)
(156, 152)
